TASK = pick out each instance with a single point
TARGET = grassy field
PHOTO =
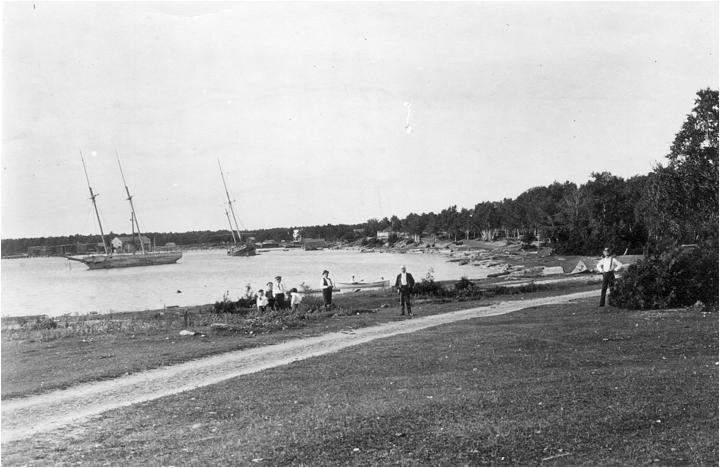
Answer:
(552, 386)
(104, 347)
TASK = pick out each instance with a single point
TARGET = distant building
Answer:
(385, 234)
(129, 244)
(169, 246)
(314, 244)
(38, 251)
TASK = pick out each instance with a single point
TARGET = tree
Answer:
(682, 198)
(395, 223)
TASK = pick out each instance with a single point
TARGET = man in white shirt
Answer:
(404, 284)
(608, 265)
(279, 292)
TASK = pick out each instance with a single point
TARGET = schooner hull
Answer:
(242, 251)
(101, 262)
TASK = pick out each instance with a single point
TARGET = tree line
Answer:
(676, 203)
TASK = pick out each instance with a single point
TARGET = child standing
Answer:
(262, 301)
(295, 299)
(270, 296)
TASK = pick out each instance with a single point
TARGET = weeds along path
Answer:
(25, 417)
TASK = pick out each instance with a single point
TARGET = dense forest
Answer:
(676, 203)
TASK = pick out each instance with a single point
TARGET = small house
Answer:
(129, 244)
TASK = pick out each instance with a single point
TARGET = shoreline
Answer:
(503, 265)
(15, 322)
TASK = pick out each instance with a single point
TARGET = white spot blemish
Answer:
(408, 127)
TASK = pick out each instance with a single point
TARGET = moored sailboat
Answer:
(123, 259)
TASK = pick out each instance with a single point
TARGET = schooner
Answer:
(111, 258)
(238, 248)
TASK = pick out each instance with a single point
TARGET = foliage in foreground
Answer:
(676, 278)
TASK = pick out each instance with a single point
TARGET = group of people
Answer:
(276, 297)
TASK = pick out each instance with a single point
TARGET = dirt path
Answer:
(24, 417)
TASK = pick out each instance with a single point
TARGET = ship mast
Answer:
(230, 203)
(133, 218)
(232, 231)
(92, 197)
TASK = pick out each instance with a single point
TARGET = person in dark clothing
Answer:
(279, 292)
(270, 296)
(404, 284)
(327, 287)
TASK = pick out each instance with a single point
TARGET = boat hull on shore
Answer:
(242, 251)
(100, 262)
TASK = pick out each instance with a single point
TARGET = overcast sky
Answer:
(331, 112)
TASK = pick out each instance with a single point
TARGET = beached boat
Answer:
(124, 259)
(239, 248)
(364, 285)
(242, 250)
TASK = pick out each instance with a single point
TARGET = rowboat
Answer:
(364, 285)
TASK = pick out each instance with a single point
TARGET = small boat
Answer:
(239, 248)
(364, 285)
(497, 274)
(110, 259)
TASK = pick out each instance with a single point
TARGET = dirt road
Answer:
(24, 417)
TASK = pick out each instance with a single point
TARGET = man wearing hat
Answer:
(279, 292)
(404, 284)
(608, 265)
(327, 287)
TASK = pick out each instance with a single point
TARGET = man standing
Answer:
(608, 265)
(327, 287)
(404, 284)
(279, 292)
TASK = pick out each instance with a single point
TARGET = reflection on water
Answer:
(55, 286)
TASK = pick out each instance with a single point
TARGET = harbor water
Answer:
(55, 286)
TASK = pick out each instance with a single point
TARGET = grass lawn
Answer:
(37, 361)
(558, 385)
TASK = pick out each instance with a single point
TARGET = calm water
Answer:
(55, 286)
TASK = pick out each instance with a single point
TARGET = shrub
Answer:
(464, 283)
(242, 305)
(676, 278)
(528, 238)
(44, 324)
(429, 288)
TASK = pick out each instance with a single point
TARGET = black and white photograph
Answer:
(359, 233)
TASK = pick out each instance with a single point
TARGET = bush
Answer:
(44, 324)
(429, 288)
(227, 306)
(676, 278)
(464, 283)
(528, 238)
